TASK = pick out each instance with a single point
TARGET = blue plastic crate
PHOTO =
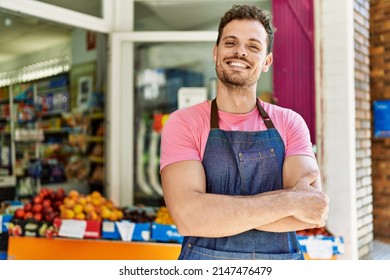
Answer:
(166, 233)
(141, 231)
(4, 221)
(337, 243)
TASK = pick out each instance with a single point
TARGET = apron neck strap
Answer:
(264, 115)
(214, 115)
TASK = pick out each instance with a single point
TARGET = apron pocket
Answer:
(194, 252)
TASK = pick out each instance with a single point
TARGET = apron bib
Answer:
(243, 163)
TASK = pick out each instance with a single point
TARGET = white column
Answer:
(120, 108)
(336, 121)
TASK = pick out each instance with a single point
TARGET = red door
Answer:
(293, 66)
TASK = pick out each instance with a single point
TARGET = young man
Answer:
(239, 175)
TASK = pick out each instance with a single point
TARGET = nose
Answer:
(240, 51)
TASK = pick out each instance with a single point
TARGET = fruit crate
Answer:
(166, 233)
(126, 231)
(81, 229)
(320, 244)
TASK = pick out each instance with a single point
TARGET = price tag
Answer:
(73, 228)
(319, 249)
(126, 230)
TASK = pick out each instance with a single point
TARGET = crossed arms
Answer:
(300, 204)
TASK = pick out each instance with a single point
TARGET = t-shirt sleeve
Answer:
(177, 141)
(298, 140)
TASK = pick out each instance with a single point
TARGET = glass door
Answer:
(162, 72)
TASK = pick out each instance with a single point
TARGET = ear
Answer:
(215, 54)
(267, 63)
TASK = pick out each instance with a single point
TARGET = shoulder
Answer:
(280, 115)
(292, 128)
(191, 116)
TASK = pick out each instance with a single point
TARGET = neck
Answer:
(239, 101)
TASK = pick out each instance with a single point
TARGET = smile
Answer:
(236, 64)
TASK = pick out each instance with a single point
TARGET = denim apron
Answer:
(243, 163)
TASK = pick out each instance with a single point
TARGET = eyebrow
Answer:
(234, 37)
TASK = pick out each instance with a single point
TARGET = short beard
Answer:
(234, 82)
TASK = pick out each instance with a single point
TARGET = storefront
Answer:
(157, 47)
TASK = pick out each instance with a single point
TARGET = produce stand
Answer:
(36, 248)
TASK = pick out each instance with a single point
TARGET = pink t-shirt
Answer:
(185, 133)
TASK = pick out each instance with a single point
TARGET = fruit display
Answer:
(139, 215)
(163, 217)
(93, 206)
(314, 231)
(45, 206)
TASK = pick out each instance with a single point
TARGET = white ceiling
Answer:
(21, 34)
(26, 35)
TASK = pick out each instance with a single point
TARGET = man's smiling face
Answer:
(241, 55)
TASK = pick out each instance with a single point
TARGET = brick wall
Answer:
(380, 89)
(363, 125)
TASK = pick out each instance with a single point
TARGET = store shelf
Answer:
(97, 115)
(32, 248)
(6, 181)
(96, 159)
(57, 130)
(95, 139)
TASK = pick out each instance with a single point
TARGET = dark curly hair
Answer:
(242, 12)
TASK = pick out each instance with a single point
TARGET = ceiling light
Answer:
(7, 22)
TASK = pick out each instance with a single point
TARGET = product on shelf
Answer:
(78, 168)
(93, 207)
(320, 243)
(163, 217)
(43, 207)
(139, 215)
(314, 231)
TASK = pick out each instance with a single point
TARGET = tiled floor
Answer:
(380, 251)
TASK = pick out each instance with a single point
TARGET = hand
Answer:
(309, 204)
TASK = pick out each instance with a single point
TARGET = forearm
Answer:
(208, 216)
(286, 224)
(197, 213)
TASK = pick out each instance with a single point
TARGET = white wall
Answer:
(336, 121)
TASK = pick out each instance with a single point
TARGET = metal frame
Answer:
(62, 15)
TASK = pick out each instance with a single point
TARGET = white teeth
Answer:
(237, 64)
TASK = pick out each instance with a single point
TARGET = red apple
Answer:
(38, 217)
(48, 210)
(49, 233)
(51, 216)
(37, 199)
(46, 203)
(15, 230)
(28, 215)
(57, 204)
(59, 196)
(27, 207)
(19, 213)
(37, 208)
(44, 192)
(52, 196)
(57, 222)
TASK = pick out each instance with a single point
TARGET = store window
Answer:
(173, 15)
(164, 72)
(52, 121)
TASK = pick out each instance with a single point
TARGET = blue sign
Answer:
(382, 118)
